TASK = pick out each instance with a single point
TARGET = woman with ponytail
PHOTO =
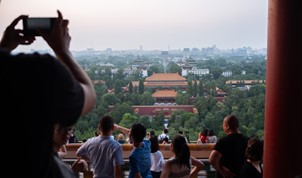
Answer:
(181, 165)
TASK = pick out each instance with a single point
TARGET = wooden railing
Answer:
(199, 151)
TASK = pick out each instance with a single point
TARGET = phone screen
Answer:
(36, 23)
(31, 25)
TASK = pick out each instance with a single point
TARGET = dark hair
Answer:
(180, 132)
(96, 133)
(181, 150)
(205, 132)
(154, 143)
(211, 132)
(152, 133)
(233, 122)
(106, 123)
(138, 132)
(254, 150)
(166, 131)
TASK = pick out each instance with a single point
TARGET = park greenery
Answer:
(247, 104)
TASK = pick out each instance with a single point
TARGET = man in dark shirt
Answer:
(40, 90)
(227, 156)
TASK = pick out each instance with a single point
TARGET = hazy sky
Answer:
(152, 24)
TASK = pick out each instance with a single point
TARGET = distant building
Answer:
(227, 73)
(164, 53)
(164, 96)
(190, 61)
(166, 81)
(244, 84)
(199, 72)
(186, 50)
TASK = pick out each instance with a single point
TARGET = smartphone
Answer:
(32, 24)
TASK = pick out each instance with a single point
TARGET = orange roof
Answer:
(163, 84)
(165, 77)
(164, 94)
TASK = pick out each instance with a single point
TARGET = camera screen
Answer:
(39, 23)
(31, 25)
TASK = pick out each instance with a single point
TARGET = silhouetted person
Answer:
(181, 164)
(72, 138)
(203, 136)
(157, 158)
(212, 138)
(104, 153)
(38, 91)
(252, 167)
(140, 156)
(164, 137)
(227, 156)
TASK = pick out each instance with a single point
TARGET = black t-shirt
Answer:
(36, 91)
(232, 147)
(249, 171)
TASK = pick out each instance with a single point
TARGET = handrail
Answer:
(199, 151)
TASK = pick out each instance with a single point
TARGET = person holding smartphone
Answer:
(38, 90)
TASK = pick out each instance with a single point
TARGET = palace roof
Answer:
(165, 77)
(164, 94)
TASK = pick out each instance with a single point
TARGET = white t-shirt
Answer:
(157, 161)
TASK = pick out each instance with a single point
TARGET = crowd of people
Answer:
(54, 91)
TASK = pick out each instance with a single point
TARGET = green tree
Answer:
(158, 122)
(130, 87)
(172, 67)
(195, 88)
(141, 87)
(118, 86)
(216, 73)
(200, 89)
(120, 74)
(128, 119)
(110, 99)
(155, 69)
(182, 98)
(119, 110)
(145, 120)
(190, 88)
(147, 99)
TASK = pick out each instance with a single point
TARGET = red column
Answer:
(283, 112)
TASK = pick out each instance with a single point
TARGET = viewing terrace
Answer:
(199, 151)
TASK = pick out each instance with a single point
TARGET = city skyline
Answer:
(152, 25)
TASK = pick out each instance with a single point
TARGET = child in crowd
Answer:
(140, 156)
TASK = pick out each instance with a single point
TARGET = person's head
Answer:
(152, 133)
(205, 132)
(254, 149)
(148, 135)
(180, 132)
(106, 125)
(211, 132)
(61, 135)
(154, 144)
(181, 150)
(165, 140)
(137, 132)
(165, 130)
(231, 124)
(120, 136)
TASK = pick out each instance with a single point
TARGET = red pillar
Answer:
(283, 112)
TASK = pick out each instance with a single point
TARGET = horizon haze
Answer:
(150, 25)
